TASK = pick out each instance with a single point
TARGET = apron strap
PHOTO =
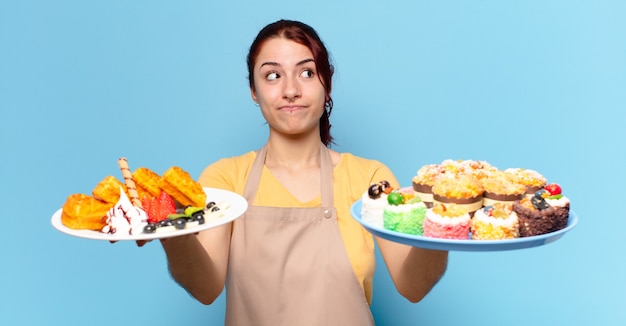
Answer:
(326, 170)
(254, 178)
(326, 181)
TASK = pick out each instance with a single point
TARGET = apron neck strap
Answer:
(326, 171)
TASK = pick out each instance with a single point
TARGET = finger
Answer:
(141, 243)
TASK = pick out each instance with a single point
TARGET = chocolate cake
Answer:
(533, 221)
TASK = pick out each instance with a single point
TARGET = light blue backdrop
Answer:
(535, 84)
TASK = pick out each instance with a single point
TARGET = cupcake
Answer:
(502, 187)
(447, 221)
(460, 189)
(423, 182)
(405, 212)
(470, 166)
(466, 167)
(480, 169)
(452, 166)
(531, 179)
(495, 222)
(547, 211)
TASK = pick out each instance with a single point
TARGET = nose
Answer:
(291, 89)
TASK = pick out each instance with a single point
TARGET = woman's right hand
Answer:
(141, 243)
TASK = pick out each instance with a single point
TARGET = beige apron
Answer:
(289, 266)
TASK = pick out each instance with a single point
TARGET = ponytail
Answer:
(325, 125)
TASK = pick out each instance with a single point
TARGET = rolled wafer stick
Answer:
(130, 183)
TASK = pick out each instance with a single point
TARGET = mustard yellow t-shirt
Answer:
(352, 177)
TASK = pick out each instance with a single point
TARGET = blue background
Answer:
(534, 84)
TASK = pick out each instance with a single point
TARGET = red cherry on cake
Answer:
(553, 189)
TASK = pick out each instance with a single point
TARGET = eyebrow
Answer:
(272, 63)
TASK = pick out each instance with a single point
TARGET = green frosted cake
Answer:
(404, 215)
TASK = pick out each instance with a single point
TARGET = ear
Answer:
(253, 95)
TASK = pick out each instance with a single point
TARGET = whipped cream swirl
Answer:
(124, 218)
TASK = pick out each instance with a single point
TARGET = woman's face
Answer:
(287, 87)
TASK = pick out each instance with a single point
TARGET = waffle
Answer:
(85, 212)
(108, 190)
(179, 184)
(147, 182)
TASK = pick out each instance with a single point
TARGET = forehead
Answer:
(283, 52)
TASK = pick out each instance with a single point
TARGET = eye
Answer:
(307, 73)
(272, 75)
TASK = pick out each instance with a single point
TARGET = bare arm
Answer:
(414, 271)
(199, 262)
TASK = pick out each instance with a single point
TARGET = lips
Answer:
(291, 108)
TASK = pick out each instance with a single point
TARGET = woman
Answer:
(296, 257)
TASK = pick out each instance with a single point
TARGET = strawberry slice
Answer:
(145, 202)
(149, 204)
(166, 205)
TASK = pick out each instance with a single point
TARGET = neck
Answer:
(293, 153)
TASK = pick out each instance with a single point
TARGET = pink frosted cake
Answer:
(447, 221)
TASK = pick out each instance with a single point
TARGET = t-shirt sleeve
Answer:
(382, 172)
(227, 173)
(354, 175)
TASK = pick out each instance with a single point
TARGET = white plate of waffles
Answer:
(235, 205)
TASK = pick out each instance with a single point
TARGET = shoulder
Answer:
(228, 173)
(233, 161)
(365, 170)
(349, 160)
